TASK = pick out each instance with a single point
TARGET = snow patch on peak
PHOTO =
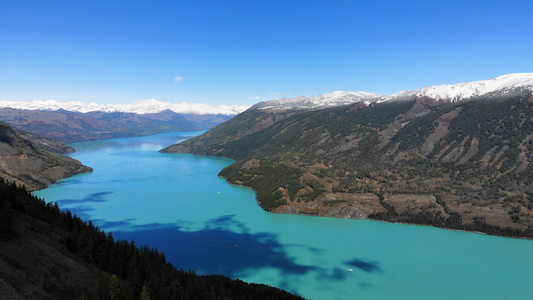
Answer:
(149, 106)
(337, 98)
(50, 105)
(456, 92)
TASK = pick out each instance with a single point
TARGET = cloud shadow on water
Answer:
(366, 266)
(78, 207)
(226, 246)
(94, 197)
(109, 225)
(81, 212)
(215, 249)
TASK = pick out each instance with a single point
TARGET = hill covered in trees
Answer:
(47, 253)
(462, 165)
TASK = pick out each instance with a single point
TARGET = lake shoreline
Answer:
(292, 212)
(178, 204)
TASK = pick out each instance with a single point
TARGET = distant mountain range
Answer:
(68, 127)
(140, 107)
(456, 156)
(449, 93)
(75, 121)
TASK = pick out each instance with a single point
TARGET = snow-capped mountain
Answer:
(139, 107)
(449, 92)
(318, 102)
(456, 92)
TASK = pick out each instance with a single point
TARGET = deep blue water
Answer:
(177, 204)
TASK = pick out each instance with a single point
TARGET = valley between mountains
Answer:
(454, 156)
(32, 140)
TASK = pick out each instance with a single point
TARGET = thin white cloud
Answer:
(274, 96)
(69, 50)
(254, 98)
(178, 79)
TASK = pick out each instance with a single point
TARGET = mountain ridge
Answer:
(456, 92)
(447, 92)
(333, 99)
(462, 164)
(70, 127)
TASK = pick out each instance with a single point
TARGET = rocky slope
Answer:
(454, 162)
(34, 161)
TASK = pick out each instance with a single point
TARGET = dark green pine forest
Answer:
(48, 253)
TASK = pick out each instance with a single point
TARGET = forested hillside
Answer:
(47, 253)
(464, 165)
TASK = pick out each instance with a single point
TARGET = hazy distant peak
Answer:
(138, 107)
(337, 98)
(455, 92)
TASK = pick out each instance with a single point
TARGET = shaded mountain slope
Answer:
(46, 253)
(34, 264)
(34, 161)
(464, 165)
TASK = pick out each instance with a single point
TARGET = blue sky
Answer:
(242, 52)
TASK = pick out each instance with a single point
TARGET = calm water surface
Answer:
(177, 204)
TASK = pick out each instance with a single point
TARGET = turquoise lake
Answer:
(178, 204)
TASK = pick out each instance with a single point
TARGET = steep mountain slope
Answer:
(265, 114)
(71, 127)
(34, 161)
(465, 164)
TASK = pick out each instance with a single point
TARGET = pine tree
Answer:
(145, 295)
(114, 288)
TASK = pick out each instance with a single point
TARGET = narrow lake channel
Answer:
(177, 204)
